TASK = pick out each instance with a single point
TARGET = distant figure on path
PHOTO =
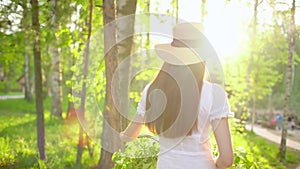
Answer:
(279, 120)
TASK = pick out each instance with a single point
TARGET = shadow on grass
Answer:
(25, 130)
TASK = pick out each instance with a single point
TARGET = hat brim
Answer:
(178, 55)
(186, 55)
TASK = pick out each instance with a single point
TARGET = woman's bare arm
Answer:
(223, 139)
(133, 129)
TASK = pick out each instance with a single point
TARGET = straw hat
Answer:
(189, 46)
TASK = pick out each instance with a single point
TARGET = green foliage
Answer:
(238, 124)
(11, 61)
(17, 117)
(140, 153)
(244, 160)
(267, 58)
(95, 82)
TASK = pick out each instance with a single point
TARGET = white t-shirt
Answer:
(193, 151)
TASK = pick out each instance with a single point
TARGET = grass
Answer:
(265, 152)
(18, 147)
(11, 93)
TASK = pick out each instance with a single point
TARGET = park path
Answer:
(273, 137)
(11, 97)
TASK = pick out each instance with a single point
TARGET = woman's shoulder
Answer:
(206, 84)
(211, 86)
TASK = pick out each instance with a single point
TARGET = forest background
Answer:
(62, 55)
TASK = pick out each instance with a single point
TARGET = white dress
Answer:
(193, 151)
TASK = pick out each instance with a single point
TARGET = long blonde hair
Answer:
(181, 87)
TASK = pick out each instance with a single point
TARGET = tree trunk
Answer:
(125, 33)
(38, 80)
(112, 123)
(56, 77)
(144, 43)
(249, 71)
(148, 43)
(111, 118)
(83, 91)
(71, 106)
(28, 95)
(47, 72)
(297, 78)
(253, 112)
(148, 28)
(288, 82)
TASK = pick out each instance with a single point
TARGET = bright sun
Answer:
(222, 23)
(225, 23)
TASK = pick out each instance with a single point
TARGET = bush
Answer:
(238, 125)
(244, 160)
(142, 153)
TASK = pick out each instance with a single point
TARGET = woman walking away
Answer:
(182, 108)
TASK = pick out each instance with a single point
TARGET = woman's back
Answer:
(193, 151)
(169, 106)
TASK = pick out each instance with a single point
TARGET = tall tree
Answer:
(109, 138)
(250, 66)
(56, 76)
(125, 32)
(120, 33)
(71, 62)
(25, 26)
(292, 32)
(38, 79)
(83, 91)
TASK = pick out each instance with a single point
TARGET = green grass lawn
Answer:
(11, 93)
(264, 152)
(18, 147)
